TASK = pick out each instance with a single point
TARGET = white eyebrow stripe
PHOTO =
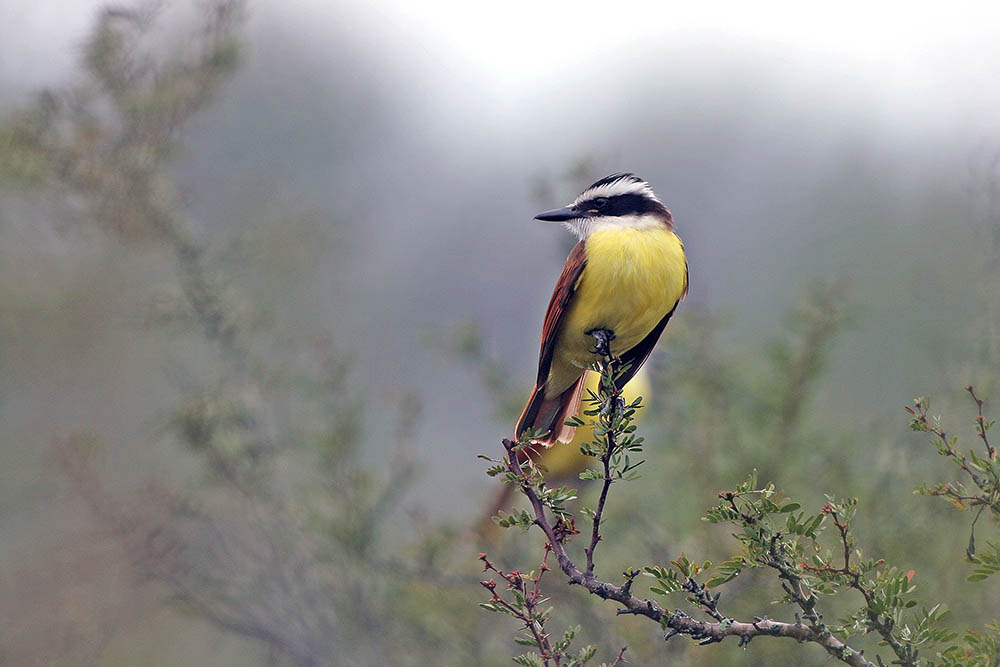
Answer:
(622, 186)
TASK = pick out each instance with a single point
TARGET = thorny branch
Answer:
(531, 617)
(677, 622)
(983, 472)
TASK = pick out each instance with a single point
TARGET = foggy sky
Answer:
(420, 132)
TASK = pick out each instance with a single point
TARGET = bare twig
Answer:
(981, 425)
(821, 317)
(529, 614)
(620, 660)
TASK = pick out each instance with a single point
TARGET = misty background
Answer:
(370, 174)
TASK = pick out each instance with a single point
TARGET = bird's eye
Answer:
(600, 202)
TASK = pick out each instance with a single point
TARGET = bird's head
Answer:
(618, 201)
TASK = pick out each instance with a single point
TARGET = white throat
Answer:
(584, 227)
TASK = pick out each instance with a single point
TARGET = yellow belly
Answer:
(632, 279)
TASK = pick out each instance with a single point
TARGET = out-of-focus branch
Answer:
(215, 567)
(982, 425)
(819, 318)
(983, 471)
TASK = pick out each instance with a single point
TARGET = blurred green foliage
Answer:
(283, 538)
(290, 537)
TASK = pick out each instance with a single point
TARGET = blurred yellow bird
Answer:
(562, 463)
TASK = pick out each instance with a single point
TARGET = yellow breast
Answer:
(632, 279)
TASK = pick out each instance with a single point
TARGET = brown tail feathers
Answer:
(548, 416)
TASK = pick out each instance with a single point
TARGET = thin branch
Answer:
(533, 620)
(607, 365)
(620, 660)
(599, 512)
(981, 425)
(919, 412)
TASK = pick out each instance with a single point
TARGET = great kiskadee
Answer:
(625, 276)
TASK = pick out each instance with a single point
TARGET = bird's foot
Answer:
(602, 341)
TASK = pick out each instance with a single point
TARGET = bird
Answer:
(619, 287)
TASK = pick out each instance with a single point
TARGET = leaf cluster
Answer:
(774, 533)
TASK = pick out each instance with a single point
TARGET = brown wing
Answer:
(565, 287)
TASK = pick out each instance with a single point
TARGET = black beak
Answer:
(558, 215)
